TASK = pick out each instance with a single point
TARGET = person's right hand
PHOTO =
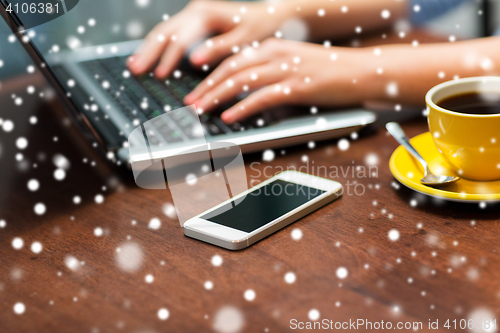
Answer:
(239, 23)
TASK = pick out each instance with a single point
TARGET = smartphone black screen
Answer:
(263, 205)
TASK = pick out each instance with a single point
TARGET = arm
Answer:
(414, 70)
(341, 18)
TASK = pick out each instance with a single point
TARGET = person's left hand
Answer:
(286, 72)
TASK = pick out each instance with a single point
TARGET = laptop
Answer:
(108, 103)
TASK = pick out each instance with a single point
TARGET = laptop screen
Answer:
(65, 37)
(74, 24)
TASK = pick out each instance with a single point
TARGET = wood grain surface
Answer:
(444, 265)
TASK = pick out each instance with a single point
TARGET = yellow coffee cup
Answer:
(470, 142)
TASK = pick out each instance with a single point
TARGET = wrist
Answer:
(284, 11)
(370, 74)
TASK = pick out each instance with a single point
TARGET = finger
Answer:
(171, 56)
(150, 50)
(264, 98)
(246, 80)
(245, 59)
(217, 48)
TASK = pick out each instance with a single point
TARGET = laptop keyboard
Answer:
(145, 97)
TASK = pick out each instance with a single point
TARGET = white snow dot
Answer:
(392, 89)
(77, 200)
(98, 232)
(19, 308)
(393, 235)
(385, 14)
(40, 208)
(342, 272)
(36, 247)
(154, 223)
(59, 174)
(33, 185)
(129, 257)
(228, 319)
(208, 285)
(91, 22)
(17, 243)
(191, 179)
(249, 295)
(481, 315)
(163, 314)
(142, 3)
(321, 12)
(343, 144)
(296, 234)
(216, 260)
(3, 224)
(149, 278)
(169, 210)
(8, 125)
(313, 314)
(290, 277)
(160, 37)
(33, 120)
(372, 159)
(72, 263)
(99, 199)
(268, 155)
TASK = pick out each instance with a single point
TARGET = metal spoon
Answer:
(429, 179)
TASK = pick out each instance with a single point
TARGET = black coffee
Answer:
(473, 103)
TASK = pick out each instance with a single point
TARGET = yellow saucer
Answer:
(408, 172)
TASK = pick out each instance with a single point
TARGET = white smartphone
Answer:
(260, 211)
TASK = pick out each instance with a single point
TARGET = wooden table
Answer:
(445, 264)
